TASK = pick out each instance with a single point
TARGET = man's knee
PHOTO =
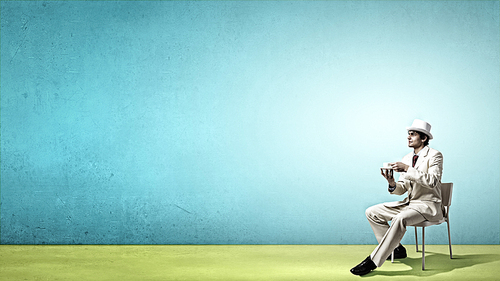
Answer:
(371, 212)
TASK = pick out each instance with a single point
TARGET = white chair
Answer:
(446, 191)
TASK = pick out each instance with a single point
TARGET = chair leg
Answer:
(423, 248)
(449, 237)
(416, 238)
(392, 256)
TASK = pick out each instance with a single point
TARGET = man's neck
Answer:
(418, 149)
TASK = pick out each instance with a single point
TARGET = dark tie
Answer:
(415, 157)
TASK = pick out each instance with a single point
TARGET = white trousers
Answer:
(389, 236)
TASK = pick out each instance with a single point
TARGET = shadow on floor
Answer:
(435, 263)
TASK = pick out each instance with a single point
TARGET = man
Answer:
(420, 177)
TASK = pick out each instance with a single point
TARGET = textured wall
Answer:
(239, 122)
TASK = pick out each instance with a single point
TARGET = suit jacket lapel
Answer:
(423, 155)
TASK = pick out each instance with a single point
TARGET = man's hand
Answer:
(400, 167)
(389, 176)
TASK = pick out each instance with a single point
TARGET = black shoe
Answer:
(364, 267)
(399, 252)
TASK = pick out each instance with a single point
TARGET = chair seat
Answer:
(429, 223)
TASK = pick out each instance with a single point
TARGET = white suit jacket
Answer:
(422, 183)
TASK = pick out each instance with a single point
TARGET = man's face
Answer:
(414, 140)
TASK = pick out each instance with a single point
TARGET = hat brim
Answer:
(420, 130)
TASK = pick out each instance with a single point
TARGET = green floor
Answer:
(240, 262)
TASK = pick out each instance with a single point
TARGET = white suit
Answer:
(422, 183)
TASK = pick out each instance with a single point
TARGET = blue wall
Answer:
(240, 122)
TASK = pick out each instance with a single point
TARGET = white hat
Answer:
(421, 126)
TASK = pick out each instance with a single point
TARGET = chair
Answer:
(446, 191)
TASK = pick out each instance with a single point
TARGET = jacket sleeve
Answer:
(432, 177)
(401, 187)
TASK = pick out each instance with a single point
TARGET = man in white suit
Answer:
(420, 177)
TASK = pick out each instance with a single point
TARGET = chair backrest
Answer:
(446, 191)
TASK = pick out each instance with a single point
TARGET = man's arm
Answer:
(394, 188)
(430, 179)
